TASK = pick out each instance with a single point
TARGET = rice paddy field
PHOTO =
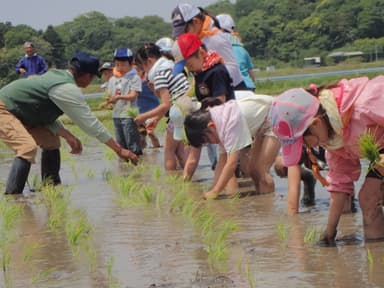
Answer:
(115, 225)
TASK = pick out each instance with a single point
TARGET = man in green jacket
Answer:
(29, 111)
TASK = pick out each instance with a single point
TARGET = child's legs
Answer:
(244, 161)
(119, 132)
(371, 203)
(212, 154)
(154, 140)
(171, 147)
(336, 207)
(131, 135)
(181, 153)
(151, 133)
(262, 157)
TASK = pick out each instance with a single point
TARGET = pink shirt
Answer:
(363, 100)
(238, 120)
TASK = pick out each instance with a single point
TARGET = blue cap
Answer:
(122, 53)
(87, 63)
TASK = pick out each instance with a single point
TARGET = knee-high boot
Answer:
(50, 166)
(17, 176)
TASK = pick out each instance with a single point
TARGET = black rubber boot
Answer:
(17, 176)
(309, 181)
(50, 166)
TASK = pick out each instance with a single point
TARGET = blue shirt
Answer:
(34, 65)
(243, 59)
(147, 100)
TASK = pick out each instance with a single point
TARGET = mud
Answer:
(152, 248)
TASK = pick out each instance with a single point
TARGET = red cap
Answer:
(188, 43)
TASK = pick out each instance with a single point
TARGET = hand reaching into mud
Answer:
(72, 140)
(129, 156)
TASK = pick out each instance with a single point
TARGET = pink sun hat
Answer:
(291, 114)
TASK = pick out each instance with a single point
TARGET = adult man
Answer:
(29, 109)
(31, 63)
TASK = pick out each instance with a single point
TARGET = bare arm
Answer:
(72, 140)
(191, 163)
(252, 74)
(294, 179)
(131, 96)
(121, 152)
(160, 110)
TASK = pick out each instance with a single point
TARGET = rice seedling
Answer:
(43, 275)
(79, 235)
(311, 236)
(369, 147)
(109, 154)
(77, 227)
(146, 193)
(56, 199)
(90, 174)
(156, 172)
(10, 214)
(178, 201)
(112, 282)
(161, 198)
(125, 187)
(107, 175)
(205, 221)
(219, 244)
(190, 207)
(134, 190)
(36, 182)
(29, 250)
(250, 276)
(282, 231)
(370, 258)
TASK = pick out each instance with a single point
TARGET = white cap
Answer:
(226, 22)
(165, 44)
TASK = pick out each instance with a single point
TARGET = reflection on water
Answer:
(154, 248)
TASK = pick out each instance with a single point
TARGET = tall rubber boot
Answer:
(50, 166)
(309, 182)
(17, 176)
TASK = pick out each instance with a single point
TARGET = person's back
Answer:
(242, 57)
(31, 63)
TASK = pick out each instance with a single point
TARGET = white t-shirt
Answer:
(237, 121)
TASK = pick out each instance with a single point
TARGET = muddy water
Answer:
(154, 248)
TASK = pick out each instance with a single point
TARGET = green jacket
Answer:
(29, 101)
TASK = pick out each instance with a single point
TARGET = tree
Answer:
(16, 36)
(58, 59)
(223, 6)
(4, 28)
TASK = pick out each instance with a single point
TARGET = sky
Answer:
(40, 13)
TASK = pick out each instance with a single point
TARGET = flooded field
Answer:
(160, 234)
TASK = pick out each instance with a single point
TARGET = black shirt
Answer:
(214, 82)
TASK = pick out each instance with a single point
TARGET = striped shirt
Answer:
(177, 85)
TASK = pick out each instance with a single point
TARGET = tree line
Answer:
(275, 32)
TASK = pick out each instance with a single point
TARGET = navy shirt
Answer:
(214, 82)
